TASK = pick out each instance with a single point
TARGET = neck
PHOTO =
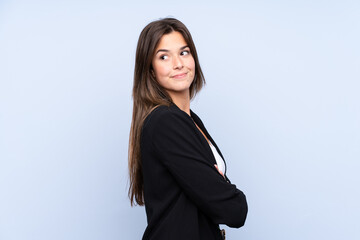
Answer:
(182, 101)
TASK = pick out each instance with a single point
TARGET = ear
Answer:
(152, 73)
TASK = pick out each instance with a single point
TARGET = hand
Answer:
(222, 174)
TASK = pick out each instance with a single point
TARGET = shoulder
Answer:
(163, 114)
(158, 113)
(165, 118)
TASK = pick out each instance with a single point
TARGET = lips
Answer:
(180, 75)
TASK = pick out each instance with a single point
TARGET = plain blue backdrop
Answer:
(282, 102)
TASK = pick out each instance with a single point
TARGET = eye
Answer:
(163, 57)
(184, 53)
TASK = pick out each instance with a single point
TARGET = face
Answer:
(173, 64)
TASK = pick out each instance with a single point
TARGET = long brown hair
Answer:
(148, 94)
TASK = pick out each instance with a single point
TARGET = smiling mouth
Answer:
(181, 75)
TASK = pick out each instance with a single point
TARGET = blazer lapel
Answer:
(202, 127)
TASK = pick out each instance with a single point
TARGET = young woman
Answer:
(175, 167)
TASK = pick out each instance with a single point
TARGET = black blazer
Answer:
(185, 196)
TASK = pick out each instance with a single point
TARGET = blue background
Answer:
(282, 102)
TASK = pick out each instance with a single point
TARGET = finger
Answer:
(219, 170)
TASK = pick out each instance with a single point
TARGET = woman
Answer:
(175, 167)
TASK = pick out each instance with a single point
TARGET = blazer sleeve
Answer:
(179, 148)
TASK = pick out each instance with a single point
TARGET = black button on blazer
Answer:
(186, 198)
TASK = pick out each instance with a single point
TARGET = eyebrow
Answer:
(165, 50)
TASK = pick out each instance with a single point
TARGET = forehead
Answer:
(171, 41)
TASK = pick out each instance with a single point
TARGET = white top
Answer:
(219, 161)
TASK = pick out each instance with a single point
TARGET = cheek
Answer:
(191, 64)
(161, 70)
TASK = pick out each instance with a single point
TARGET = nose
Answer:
(177, 62)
